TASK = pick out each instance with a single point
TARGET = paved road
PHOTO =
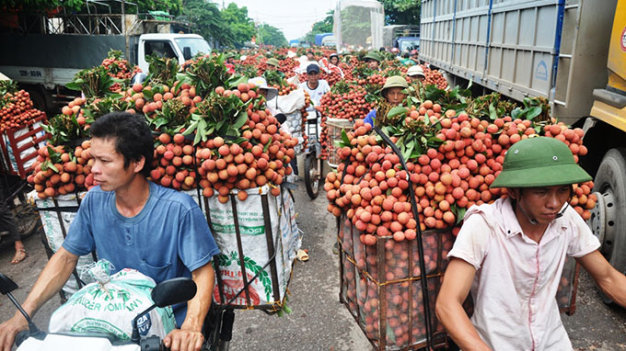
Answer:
(318, 320)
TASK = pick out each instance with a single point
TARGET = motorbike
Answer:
(165, 293)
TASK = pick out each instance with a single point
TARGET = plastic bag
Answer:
(109, 305)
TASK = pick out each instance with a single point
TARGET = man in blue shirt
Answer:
(133, 223)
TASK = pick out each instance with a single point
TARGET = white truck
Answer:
(42, 61)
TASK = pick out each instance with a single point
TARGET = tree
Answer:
(208, 22)
(402, 11)
(270, 35)
(174, 7)
(240, 24)
(323, 26)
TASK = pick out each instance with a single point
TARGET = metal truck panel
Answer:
(539, 48)
(47, 76)
(70, 51)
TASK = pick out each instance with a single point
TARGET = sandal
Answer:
(20, 255)
(302, 255)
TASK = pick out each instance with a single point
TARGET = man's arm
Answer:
(50, 281)
(612, 282)
(457, 283)
(189, 336)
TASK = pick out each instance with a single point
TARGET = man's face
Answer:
(313, 77)
(395, 96)
(373, 64)
(108, 168)
(334, 60)
(309, 55)
(543, 203)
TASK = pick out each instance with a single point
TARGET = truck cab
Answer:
(407, 44)
(180, 46)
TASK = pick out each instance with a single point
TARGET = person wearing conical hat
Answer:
(510, 255)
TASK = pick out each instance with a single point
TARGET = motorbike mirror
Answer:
(187, 52)
(173, 291)
(6, 284)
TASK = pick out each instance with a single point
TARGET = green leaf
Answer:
(409, 150)
(234, 83)
(533, 112)
(396, 111)
(191, 128)
(241, 120)
(74, 85)
(344, 137)
(517, 113)
(493, 115)
(460, 214)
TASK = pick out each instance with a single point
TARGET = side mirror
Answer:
(166, 293)
(173, 291)
(6, 284)
(186, 52)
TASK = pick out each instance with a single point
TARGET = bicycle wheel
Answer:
(313, 167)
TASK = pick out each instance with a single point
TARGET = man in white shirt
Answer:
(510, 255)
(315, 86)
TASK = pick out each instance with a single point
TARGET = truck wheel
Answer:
(607, 220)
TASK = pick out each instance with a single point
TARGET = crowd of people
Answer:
(504, 254)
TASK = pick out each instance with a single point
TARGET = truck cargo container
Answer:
(571, 52)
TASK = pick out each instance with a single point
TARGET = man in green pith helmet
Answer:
(394, 92)
(373, 60)
(510, 254)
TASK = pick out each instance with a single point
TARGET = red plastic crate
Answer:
(19, 147)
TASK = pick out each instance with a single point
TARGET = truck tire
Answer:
(608, 221)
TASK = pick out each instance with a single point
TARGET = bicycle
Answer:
(313, 163)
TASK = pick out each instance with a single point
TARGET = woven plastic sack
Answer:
(109, 305)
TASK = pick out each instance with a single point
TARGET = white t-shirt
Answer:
(516, 281)
(317, 93)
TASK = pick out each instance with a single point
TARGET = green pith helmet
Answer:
(394, 82)
(373, 55)
(539, 162)
(273, 62)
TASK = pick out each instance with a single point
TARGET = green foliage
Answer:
(535, 109)
(402, 11)
(162, 70)
(208, 22)
(206, 74)
(174, 7)
(491, 106)
(236, 19)
(323, 26)
(64, 129)
(93, 82)
(171, 117)
(41, 5)
(100, 107)
(270, 35)
(218, 115)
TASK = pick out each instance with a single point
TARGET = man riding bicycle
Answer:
(133, 223)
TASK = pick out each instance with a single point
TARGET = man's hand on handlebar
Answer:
(184, 340)
(9, 329)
